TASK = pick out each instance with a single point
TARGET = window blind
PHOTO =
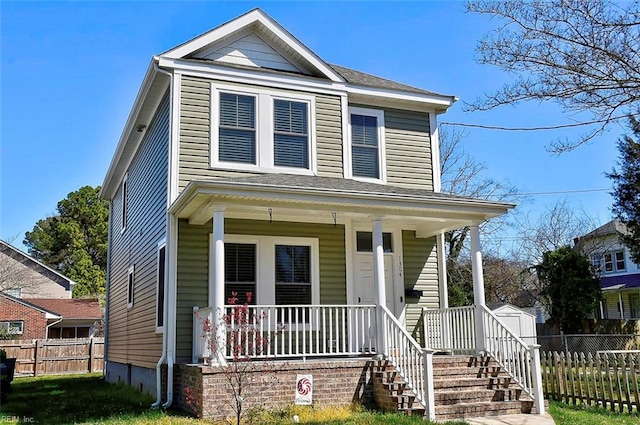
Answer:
(291, 134)
(237, 132)
(364, 146)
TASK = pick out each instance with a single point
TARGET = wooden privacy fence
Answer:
(608, 379)
(56, 356)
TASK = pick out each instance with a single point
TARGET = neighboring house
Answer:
(48, 318)
(78, 316)
(22, 276)
(249, 164)
(619, 274)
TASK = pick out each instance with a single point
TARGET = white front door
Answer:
(365, 288)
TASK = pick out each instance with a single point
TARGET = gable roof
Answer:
(313, 73)
(77, 308)
(611, 228)
(258, 21)
(37, 266)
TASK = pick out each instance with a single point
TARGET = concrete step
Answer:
(473, 410)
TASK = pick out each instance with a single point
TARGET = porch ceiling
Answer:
(315, 199)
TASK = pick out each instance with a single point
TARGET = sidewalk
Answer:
(522, 419)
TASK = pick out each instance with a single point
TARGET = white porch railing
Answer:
(450, 329)
(412, 362)
(454, 330)
(519, 360)
(285, 331)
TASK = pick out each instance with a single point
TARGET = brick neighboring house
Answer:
(40, 318)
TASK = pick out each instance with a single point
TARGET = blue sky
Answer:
(70, 72)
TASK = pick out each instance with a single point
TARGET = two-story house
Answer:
(619, 274)
(249, 164)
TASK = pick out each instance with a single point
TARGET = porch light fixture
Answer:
(334, 215)
(270, 216)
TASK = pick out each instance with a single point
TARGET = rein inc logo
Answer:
(304, 390)
(17, 419)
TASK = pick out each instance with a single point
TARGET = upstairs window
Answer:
(614, 262)
(291, 134)
(262, 130)
(237, 129)
(366, 138)
(125, 201)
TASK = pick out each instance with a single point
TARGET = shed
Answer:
(521, 322)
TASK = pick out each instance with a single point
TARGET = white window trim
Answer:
(161, 244)
(382, 156)
(131, 288)
(265, 263)
(264, 130)
(613, 262)
(125, 202)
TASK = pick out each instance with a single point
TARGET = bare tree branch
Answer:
(581, 54)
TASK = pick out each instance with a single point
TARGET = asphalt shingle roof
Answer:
(70, 308)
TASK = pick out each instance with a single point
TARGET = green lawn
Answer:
(88, 399)
(564, 414)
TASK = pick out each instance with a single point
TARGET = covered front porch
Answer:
(387, 307)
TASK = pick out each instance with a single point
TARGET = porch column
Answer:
(378, 281)
(620, 306)
(216, 284)
(478, 286)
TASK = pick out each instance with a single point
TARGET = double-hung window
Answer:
(293, 274)
(237, 128)
(291, 134)
(240, 272)
(263, 130)
(614, 262)
(366, 138)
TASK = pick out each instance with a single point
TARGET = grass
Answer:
(564, 414)
(88, 399)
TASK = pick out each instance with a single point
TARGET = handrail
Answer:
(412, 362)
(519, 360)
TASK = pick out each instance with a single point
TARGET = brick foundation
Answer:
(335, 383)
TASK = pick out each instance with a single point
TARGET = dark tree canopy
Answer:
(571, 286)
(582, 54)
(626, 192)
(74, 241)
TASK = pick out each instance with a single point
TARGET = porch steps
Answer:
(474, 386)
(465, 387)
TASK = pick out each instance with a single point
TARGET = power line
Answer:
(550, 127)
(559, 192)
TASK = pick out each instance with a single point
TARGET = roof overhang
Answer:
(426, 212)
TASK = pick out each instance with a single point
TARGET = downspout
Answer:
(46, 328)
(167, 315)
(105, 325)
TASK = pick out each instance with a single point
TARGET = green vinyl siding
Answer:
(421, 273)
(195, 133)
(408, 147)
(193, 265)
(132, 336)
